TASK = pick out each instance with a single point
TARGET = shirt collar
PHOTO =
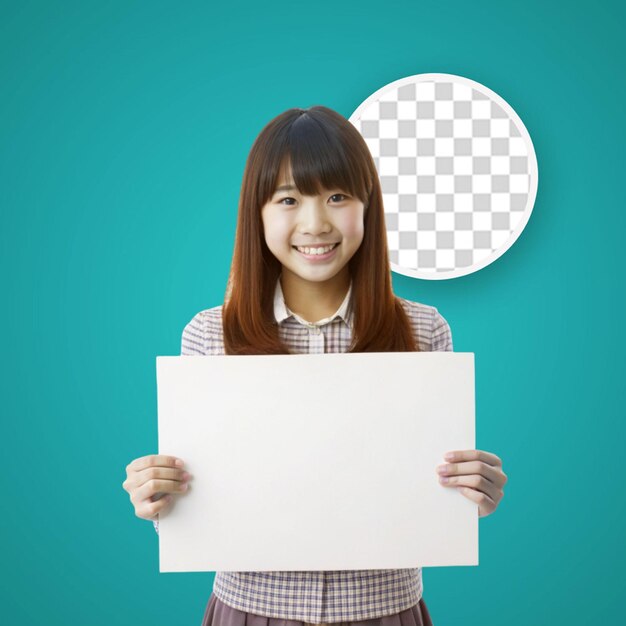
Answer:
(282, 312)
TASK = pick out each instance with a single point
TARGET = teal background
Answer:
(124, 129)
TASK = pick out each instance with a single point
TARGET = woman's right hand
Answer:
(152, 476)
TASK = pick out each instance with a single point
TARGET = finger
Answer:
(151, 460)
(151, 509)
(146, 491)
(138, 479)
(491, 473)
(485, 504)
(476, 482)
(164, 473)
(474, 455)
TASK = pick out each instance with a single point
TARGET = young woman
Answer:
(310, 274)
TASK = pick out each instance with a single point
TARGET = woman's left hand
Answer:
(477, 475)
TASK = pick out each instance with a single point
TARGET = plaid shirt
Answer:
(319, 596)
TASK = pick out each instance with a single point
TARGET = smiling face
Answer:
(292, 219)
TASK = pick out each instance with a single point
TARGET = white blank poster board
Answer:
(316, 461)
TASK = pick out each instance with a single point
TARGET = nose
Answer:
(314, 217)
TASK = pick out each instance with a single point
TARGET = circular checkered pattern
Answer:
(458, 172)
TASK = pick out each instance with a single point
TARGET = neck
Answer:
(314, 301)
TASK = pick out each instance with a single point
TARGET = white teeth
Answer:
(323, 250)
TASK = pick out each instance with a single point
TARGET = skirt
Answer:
(218, 613)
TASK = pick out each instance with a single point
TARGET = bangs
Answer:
(317, 154)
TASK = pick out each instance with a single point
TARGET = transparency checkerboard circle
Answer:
(458, 173)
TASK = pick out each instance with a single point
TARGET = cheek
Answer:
(276, 233)
(352, 228)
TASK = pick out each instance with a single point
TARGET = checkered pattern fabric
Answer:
(318, 596)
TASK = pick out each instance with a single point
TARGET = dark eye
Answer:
(283, 200)
(339, 195)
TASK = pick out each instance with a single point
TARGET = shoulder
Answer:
(204, 334)
(430, 328)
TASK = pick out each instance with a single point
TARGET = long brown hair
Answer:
(322, 147)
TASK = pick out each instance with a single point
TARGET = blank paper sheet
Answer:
(316, 461)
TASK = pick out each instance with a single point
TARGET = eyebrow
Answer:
(284, 188)
(287, 187)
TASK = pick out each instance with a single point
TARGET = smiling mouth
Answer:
(315, 257)
(334, 245)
